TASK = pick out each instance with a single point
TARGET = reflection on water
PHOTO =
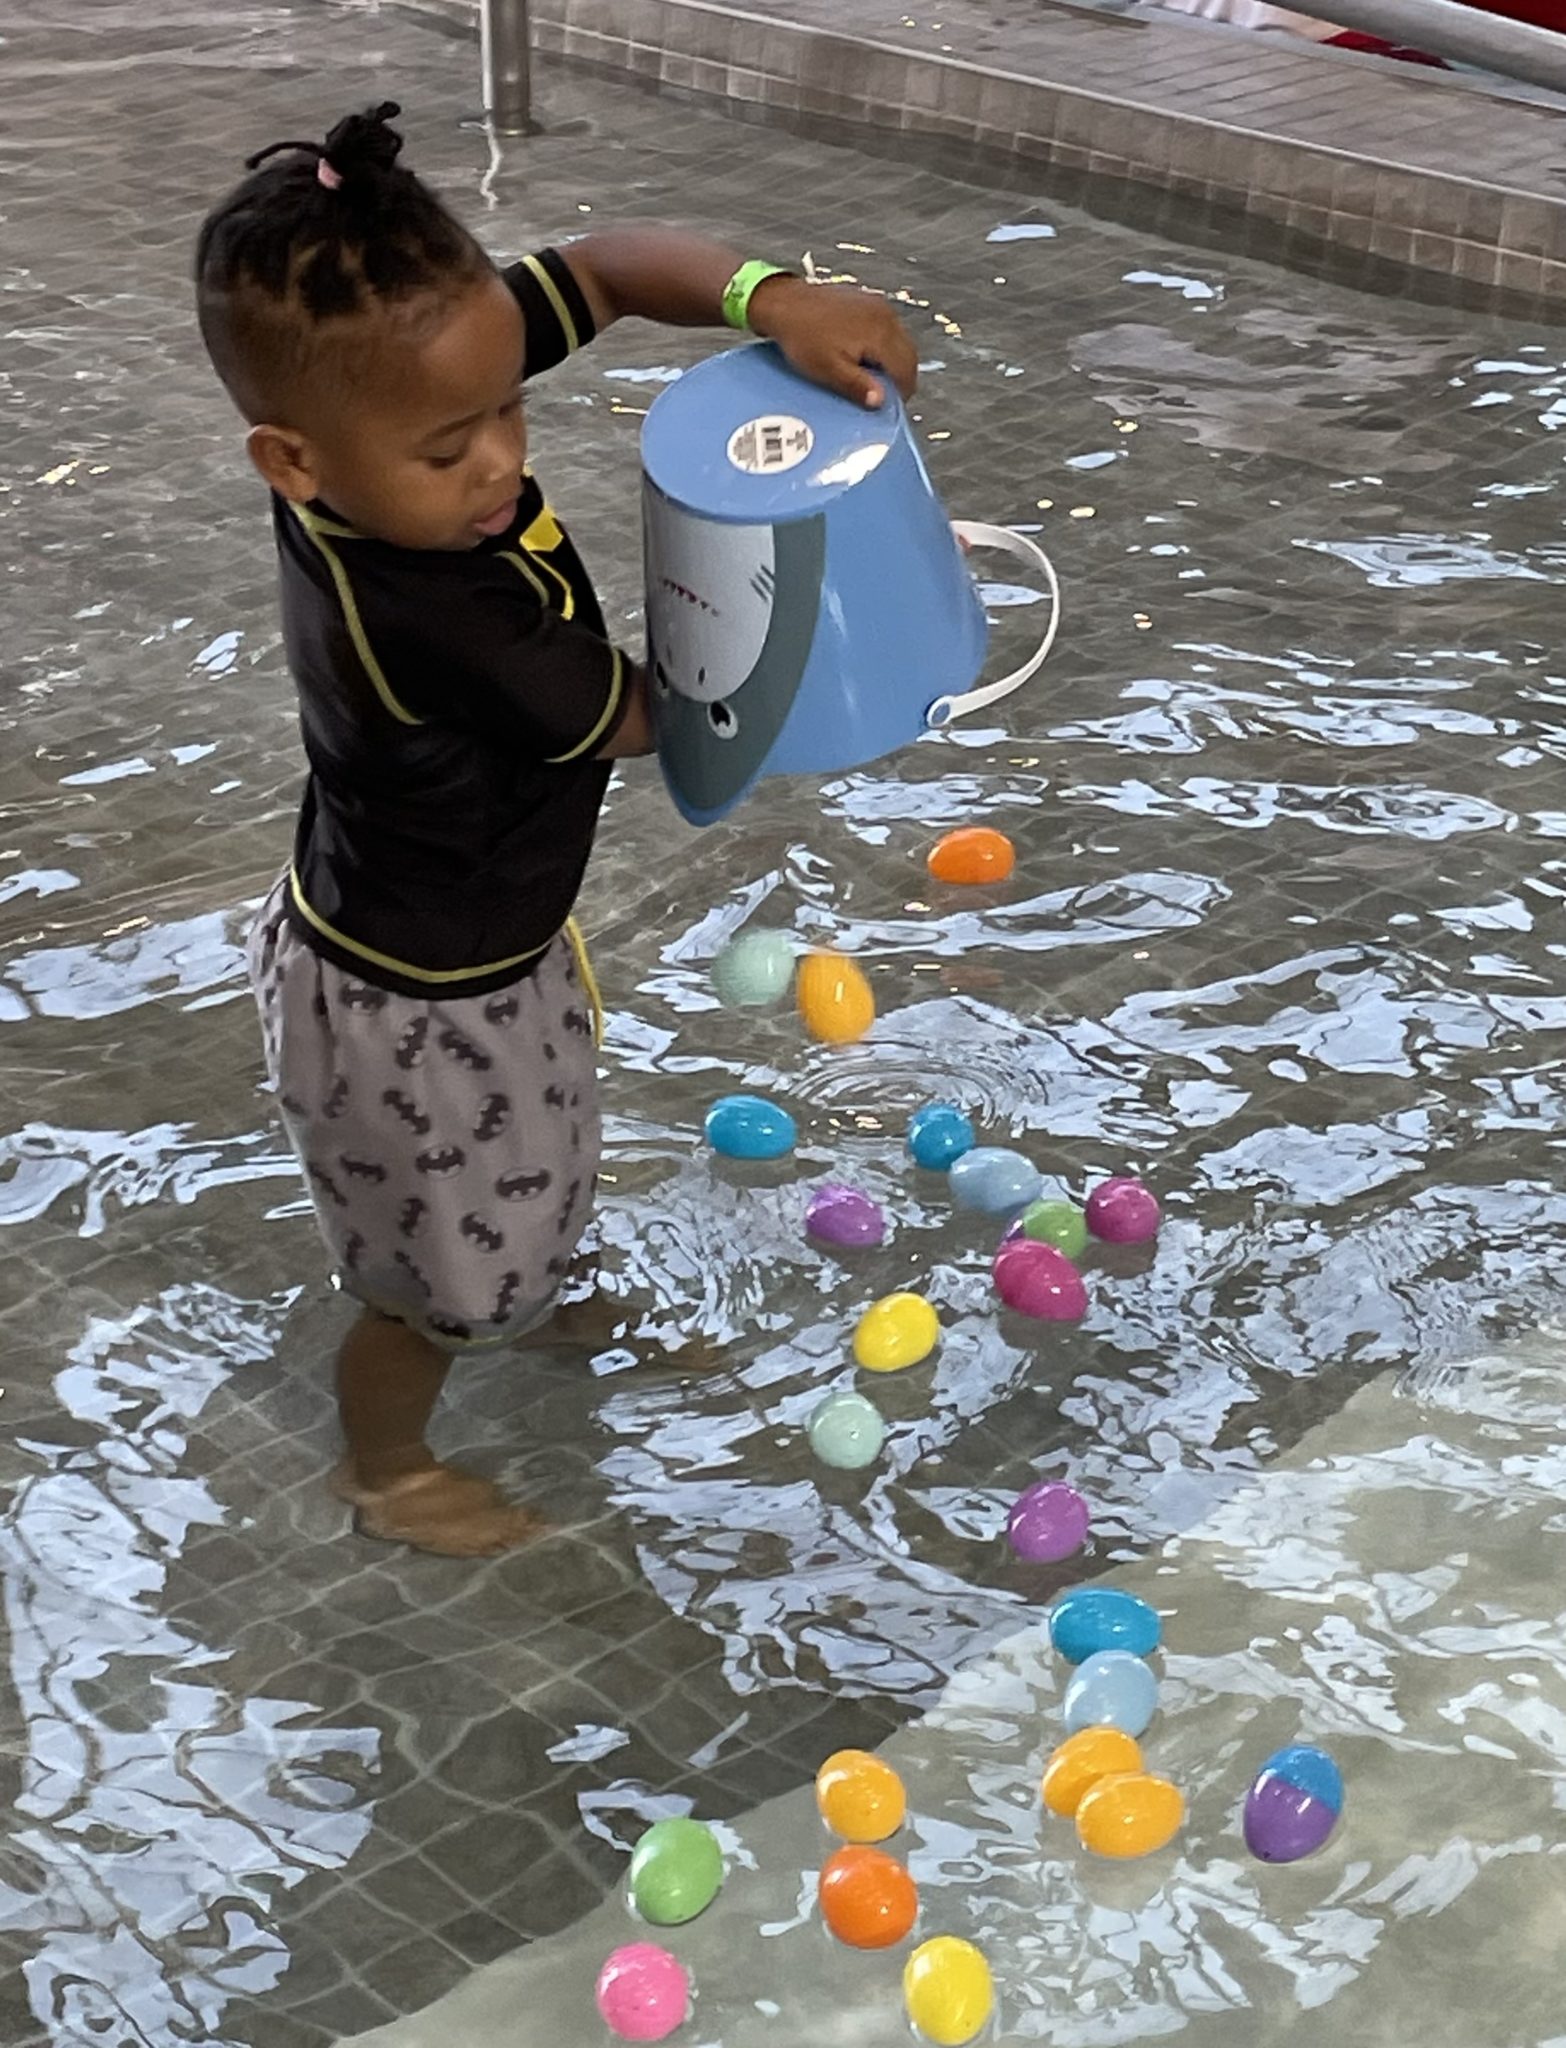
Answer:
(1283, 933)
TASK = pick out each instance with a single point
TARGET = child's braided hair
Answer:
(317, 233)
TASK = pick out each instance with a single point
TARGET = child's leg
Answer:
(388, 1381)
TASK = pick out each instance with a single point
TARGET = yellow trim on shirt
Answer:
(558, 306)
(317, 529)
(437, 977)
(611, 707)
(544, 535)
(533, 571)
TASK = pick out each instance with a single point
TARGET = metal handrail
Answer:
(506, 58)
(1444, 28)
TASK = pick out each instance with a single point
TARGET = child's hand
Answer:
(832, 332)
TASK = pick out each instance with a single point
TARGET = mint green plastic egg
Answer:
(754, 970)
(1059, 1223)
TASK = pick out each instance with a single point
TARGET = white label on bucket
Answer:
(767, 446)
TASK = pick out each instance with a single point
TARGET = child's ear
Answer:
(285, 460)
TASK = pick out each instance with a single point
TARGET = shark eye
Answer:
(723, 721)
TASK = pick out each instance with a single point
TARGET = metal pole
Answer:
(1442, 28)
(505, 52)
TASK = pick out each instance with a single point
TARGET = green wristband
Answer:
(741, 289)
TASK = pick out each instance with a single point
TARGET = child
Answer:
(427, 1008)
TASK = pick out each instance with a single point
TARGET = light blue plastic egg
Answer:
(846, 1431)
(753, 970)
(1111, 1690)
(995, 1182)
(938, 1134)
(1098, 1618)
(750, 1127)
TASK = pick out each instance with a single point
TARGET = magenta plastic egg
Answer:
(1038, 1281)
(844, 1217)
(643, 1993)
(1123, 1212)
(1047, 1523)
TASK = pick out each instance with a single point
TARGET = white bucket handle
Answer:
(1006, 542)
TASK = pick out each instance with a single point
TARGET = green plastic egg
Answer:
(675, 1872)
(755, 969)
(846, 1432)
(1061, 1224)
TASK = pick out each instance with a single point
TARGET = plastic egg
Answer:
(897, 1331)
(1081, 1760)
(834, 998)
(676, 1870)
(1294, 1804)
(1038, 1281)
(938, 1134)
(846, 1432)
(860, 1797)
(867, 1898)
(1129, 1816)
(643, 1993)
(1055, 1222)
(1123, 1212)
(948, 1991)
(1112, 1690)
(975, 854)
(1047, 1523)
(754, 970)
(844, 1218)
(994, 1181)
(750, 1127)
(1098, 1618)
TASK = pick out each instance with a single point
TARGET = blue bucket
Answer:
(809, 607)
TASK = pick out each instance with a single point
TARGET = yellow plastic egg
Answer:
(860, 1797)
(1130, 1815)
(897, 1331)
(834, 998)
(948, 1991)
(1081, 1760)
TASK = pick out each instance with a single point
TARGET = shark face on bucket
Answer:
(731, 615)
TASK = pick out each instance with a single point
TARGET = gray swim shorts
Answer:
(451, 1148)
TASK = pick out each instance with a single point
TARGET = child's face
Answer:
(428, 451)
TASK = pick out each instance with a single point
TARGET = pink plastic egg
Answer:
(643, 1993)
(1036, 1280)
(1123, 1212)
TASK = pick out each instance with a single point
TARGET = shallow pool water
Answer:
(1284, 934)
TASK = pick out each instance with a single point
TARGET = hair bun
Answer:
(363, 142)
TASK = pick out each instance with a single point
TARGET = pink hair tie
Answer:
(331, 179)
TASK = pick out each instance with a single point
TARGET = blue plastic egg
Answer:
(750, 1127)
(938, 1134)
(995, 1182)
(1098, 1618)
(1111, 1690)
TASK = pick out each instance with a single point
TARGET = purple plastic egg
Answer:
(1123, 1212)
(1282, 1823)
(844, 1217)
(1036, 1280)
(1048, 1522)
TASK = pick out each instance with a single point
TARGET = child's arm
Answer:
(828, 332)
(633, 736)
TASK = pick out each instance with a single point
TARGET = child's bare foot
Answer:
(438, 1509)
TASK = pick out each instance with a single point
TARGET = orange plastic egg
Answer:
(1129, 1816)
(867, 1898)
(834, 998)
(975, 854)
(1081, 1760)
(861, 1798)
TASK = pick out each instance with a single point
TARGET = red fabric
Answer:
(1373, 46)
